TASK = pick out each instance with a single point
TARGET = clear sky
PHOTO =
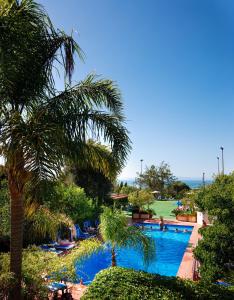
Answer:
(174, 63)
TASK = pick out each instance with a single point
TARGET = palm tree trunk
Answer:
(113, 257)
(16, 245)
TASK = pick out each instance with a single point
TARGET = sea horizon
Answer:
(192, 182)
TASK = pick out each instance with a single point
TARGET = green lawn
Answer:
(161, 208)
(164, 208)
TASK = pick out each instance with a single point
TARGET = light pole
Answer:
(218, 165)
(203, 179)
(221, 148)
(141, 165)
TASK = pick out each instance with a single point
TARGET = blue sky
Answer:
(174, 63)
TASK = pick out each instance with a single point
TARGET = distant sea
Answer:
(192, 183)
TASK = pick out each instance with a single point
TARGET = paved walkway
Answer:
(77, 291)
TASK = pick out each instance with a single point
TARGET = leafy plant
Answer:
(215, 250)
(43, 128)
(156, 178)
(141, 198)
(115, 231)
(120, 283)
(37, 264)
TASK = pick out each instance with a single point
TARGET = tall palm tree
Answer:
(41, 128)
(115, 231)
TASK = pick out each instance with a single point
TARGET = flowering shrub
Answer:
(183, 210)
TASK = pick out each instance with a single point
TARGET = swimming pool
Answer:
(170, 248)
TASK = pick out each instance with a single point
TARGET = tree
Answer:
(115, 231)
(70, 200)
(178, 189)
(127, 189)
(141, 198)
(41, 220)
(41, 127)
(156, 178)
(215, 250)
(97, 180)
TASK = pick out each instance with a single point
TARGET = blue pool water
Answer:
(170, 247)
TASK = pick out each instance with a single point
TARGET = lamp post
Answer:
(218, 165)
(141, 165)
(221, 148)
(203, 179)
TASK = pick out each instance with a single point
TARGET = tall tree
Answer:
(156, 178)
(41, 127)
(96, 178)
(115, 231)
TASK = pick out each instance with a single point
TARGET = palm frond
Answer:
(45, 222)
(98, 157)
(61, 129)
(114, 230)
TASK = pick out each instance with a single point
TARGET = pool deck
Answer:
(186, 269)
(77, 291)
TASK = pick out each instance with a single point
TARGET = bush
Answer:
(180, 211)
(36, 264)
(120, 283)
(6, 280)
(215, 250)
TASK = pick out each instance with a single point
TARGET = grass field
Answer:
(164, 208)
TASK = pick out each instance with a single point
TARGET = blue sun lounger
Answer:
(64, 247)
(50, 249)
(82, 235)
(54, 287)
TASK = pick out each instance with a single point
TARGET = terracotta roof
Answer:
(119, 196)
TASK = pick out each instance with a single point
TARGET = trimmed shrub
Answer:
(120, 283)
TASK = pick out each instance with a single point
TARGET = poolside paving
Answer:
(77, 291)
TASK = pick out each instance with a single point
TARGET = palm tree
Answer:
(115, 231)
(97, 175)
(42, 128)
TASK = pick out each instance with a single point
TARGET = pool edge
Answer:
(186, 268)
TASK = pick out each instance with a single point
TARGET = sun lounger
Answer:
(82, 235)
(65, 247)
(54, 287)
(50, 249)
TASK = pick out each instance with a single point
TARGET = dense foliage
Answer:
(156, 178)
(41, 127)
(125, 189)
(177, 189)
(120, 283)
(4, 208)
(95, 184)
(55, 204)
(141, 198)
(37, 264)
(70, 200)
(215, 250)
(97, 181)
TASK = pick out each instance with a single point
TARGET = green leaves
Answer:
(120, 283)
(114, 230)
(141, 198)
(37, 264)
(216, 250)
(48, 126)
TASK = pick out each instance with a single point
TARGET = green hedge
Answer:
(120, 283)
